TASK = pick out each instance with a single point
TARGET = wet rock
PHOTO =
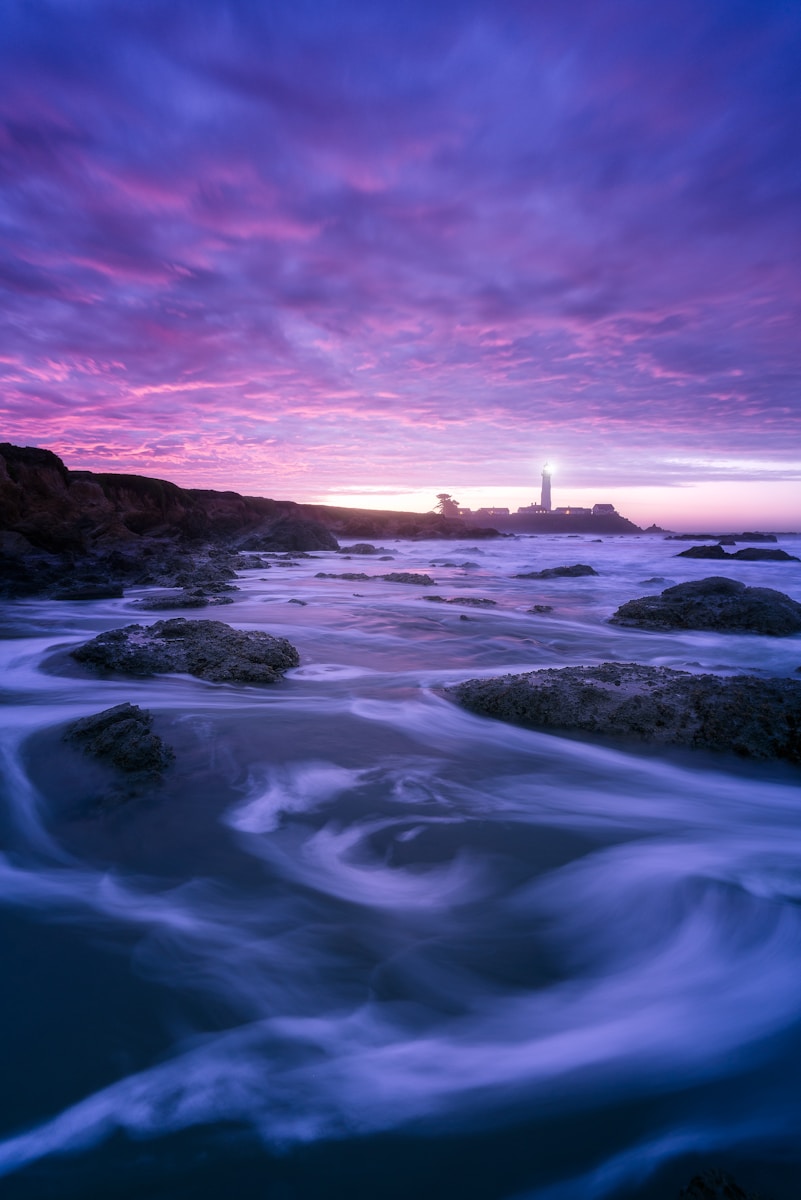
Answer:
(760, 554)
(757, 718)
(292, 533)
(408, 577)
(749, 554)
(186, 598)
(715, 1185)
(362, 548)
(714, 603)
(208, 649)
(294, 600)
(540, 608)
(703, 552)
(471, 601)
(89, 591)
(558, 572)
(353, 576)
(122, 736)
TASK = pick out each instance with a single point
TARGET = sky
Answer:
(366, 251)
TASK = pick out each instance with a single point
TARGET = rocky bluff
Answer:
(52, 518)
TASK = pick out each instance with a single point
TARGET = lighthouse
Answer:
(545, 499)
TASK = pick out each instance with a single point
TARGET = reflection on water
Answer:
(353, 911)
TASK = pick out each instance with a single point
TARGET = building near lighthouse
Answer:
(544, 518)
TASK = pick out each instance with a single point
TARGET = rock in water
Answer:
(208, 649)
(714, 603)
(122, 737)
(757, 718)
(559, 572)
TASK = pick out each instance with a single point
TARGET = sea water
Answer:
(363, 943)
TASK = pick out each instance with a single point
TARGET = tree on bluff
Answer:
(447, 506)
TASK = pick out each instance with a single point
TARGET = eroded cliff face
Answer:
(57, 510)
(79, 512)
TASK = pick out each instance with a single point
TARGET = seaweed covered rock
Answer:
(715, 603)
(208, 649)
(122, 736)
(756, 718)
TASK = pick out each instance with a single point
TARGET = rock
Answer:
(89, 591)
(472, 601)
(714, 1185)
(714, 603)
(408, 577)
(122, 737)
(303, 603)
(757, 718)
(749, 554)
(353, 576)
(558, 572)
(361, 548)
(183, 599)
(759, 554)
(293, 533)
(703, 552)
(208, 649)
(540, 608)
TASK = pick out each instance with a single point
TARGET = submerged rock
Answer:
(558, 572)
(208, 649)
(353, 576)
(471, 601)
(122, 737)
(714, 603)
(757, 718)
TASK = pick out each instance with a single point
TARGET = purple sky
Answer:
(379, 250)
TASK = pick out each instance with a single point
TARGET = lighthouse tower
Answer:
(545, 500)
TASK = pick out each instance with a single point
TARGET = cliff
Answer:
(79, 512)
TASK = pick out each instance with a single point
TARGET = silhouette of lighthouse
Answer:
(545, 500)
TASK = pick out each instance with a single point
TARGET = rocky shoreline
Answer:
(76, 534)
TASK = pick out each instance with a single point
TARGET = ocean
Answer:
(363, 943)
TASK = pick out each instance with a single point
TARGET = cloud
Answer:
(474, 223)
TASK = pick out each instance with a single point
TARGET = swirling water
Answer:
(363, 943)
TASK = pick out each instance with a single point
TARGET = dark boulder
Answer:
(704, 552)
(749, 554)
(760, 554)
(757, 718)
(122, 737)
(186, 598)
(408, 577)
(208, 649)
(558, 572)
(89, 591)
(714, 603)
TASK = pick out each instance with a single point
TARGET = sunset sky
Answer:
(365, 251)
